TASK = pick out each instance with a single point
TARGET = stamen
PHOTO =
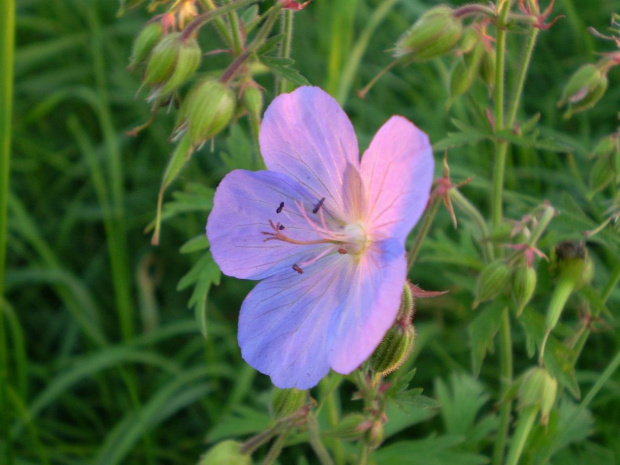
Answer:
(342, 251)
(280, 207)
(281, 227)
(318, 205)
(296, 268)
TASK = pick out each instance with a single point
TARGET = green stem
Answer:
(611, 284)
(7, 39)
(352, 64)
(237, 43)
(260, 37)
(285, 52)
(276, 449)
(542, 224)
(207, 16)
(505, 363)
(425, 227)
(328, 393)
(527, 58)
(470, 210)
(219, 23)
(524, 427)
(501, 147)
(314, 438)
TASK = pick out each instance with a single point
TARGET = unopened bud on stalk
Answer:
(172, 62)
(398, 341)
(375, 435)
(574, 270)
(538, 389)
(492, 281)
(434, 34)
(465, 72)
(226, 453)
(584, 89)
(252, 100)
(144, 43)
(285, 402)
(207, 109)
(488, 68)
(523, 286)
(351, 427)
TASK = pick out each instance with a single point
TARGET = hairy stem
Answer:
(470, 210)
(285, 52)
(505, 363)
(524, 427)
(425, 227)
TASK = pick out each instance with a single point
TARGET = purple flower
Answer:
(325, 234)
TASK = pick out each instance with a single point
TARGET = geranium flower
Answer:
(325, 234)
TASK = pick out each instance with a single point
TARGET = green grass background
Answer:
(106, 362)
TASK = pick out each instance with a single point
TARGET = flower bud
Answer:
(573, 263)
(187, 63)
(584, 89)
(162, 60)
(538, 389)
(601, 174)
(492, 281)
(226, 453)
(285, 402)
(465, 72)
(252, 100)
(144, 43)
(488, 67)
(523, 285)
(375, 435)
(207, 109)
(393, 349)
(434, 34)
(350, 428)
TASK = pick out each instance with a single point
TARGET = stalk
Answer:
(524, 427)
(425, 227)
(287, 30)
(7, 39)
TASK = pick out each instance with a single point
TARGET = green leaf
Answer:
(270, 45)
(282, 67)
(242, 421)
(460, 402)
(414, 398)
(202, 275)
(430, 451)
(482, 331)
(196, 244)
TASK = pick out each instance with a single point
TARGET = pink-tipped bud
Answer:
(584, 89)
(434, 34)
(226, 453)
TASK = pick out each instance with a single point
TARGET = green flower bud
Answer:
(188, 61)
(393, 349)
(488, 68)
(144, 43)
(207, 109)
(465, 72)
(252, 100)
(350, 428)
(523, 285)
(285, 402)
(538, 389)
(602, 174)
(226, 453)
(434, 34)
(492, 281)
(163, 59)
(584, 89)
(469, 40)
(573, 263)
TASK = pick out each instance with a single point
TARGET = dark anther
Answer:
(342, 251)
(280, 207)
(281, 227)
(318, 205)
(296, 268)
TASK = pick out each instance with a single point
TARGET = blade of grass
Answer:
(7, 38)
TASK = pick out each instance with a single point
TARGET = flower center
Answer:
(350, 239)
